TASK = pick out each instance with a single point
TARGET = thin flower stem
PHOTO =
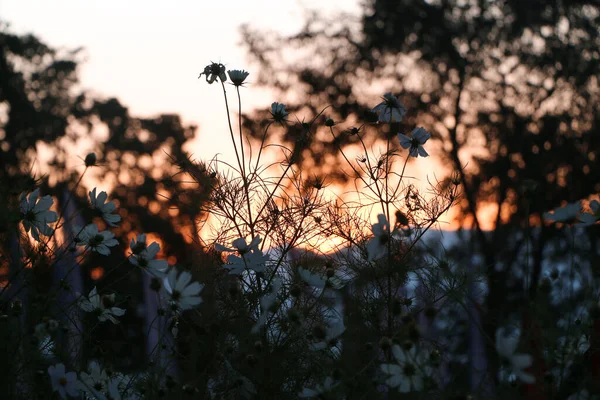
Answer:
(63, 209)
(237, 155)
(260, 149)
(379, 194)
(401, 175)
(240, 129)
(358, 174)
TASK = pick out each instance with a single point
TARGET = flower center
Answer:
(96, 240)
(409, 370)
(138, 247)
(62, 381)
(107, 301)
(98, 386)
(29, 216)
(390, 103)
(176, 295)
(415, 143)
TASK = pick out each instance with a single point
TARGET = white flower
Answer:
(62, 382)
(568, 213)
(36, 215)
(390, 110)
(138, 244)
(214, 71)
(95, 383)
(94, 240)
(331, 334)
(378, 246)
(46, 328)
(591, 218)
(419, 137)
(182, 295)
(311, 279)
(250, 257)
(278, 112)
(113, 389)
(506, 346)
(238, 76)
(101, 306)
(145, 259)
(105, 209)
(327, 386)
(266, 302)
(318, 282)
(407, 374)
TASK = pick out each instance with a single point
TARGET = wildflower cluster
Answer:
(304, 293)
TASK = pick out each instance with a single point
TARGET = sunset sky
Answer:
(148, 54)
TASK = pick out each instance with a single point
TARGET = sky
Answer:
(148, 53)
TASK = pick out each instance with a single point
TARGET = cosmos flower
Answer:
(278, 112)
(311, 279)
(567, 214)
(238, 76)
(329, 335)
(328, 385)
(36, 214)
(105, 209)
(378, 246)
(506, 346)
(94, 240)
(102, 306)
(419, 137)
(138, 244)
(65, 383)
(46, 328)
(145, 259)
(182, 295)
(214, 71)
(390, 110)
(407, 373)
(319, 282)
(248, 256)
(95, 381)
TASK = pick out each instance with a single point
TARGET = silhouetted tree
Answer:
(141, 162)
(508, 87)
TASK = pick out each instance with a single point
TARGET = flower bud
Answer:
(329, 122)
(90, 160)
(385, 343)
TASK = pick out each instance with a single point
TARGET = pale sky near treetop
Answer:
(148, 53)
